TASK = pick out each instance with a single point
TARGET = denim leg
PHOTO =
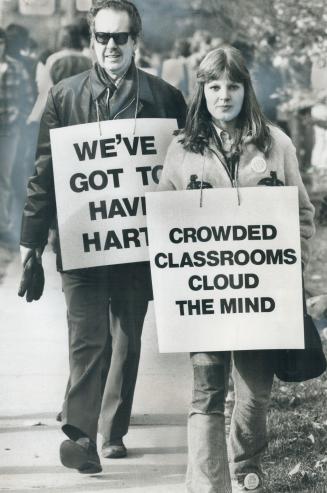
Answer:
(253, 376)
(207, 470)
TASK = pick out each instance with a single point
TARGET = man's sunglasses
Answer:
(119, 38)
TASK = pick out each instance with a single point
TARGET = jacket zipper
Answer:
(224, 165)
(119, 112)
(233, 181)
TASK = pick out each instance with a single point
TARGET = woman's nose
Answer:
(224, 93)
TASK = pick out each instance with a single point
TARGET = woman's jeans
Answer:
(252, 371)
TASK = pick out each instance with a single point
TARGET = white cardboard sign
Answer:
(100, 182)
(226, 276)
(37, 7)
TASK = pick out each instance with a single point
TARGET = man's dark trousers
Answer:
(106, 307)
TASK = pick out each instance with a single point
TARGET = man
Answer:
(16, 99)
(103, 357)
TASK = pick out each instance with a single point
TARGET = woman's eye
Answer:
(234, 87)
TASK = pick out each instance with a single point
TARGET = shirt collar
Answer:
(220, 133)
(100, 81)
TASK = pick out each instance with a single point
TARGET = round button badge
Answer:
(258, 164)
(251, 481)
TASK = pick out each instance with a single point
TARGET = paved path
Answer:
(33, 373)
(29, 460)
(34, 360)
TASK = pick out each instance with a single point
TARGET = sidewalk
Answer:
(29, 460)
(34, 354)
(33, 375)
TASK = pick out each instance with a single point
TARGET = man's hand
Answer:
(32, 282)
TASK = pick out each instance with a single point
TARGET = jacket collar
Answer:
(100, 82)
(146, 93)
(218, 132)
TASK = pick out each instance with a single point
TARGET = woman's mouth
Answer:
(224, 107)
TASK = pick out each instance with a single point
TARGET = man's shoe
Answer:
(248, 482)
(114, 450)
(81, 455)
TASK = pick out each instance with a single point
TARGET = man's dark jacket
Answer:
(83, 99)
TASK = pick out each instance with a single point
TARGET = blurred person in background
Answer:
(267, 79)
(85, 38)
(143, 59)
(201, 41)
(319, 112)
(200, 44)
(22, 47)
(67, 61)
(16, 99)
(175, 70)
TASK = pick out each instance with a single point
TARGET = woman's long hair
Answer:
(251, 122)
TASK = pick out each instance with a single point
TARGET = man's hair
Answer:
(120, 6)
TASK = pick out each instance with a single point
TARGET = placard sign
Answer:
(100, 180)
(83, 5)
(37, 7)
(226, 276)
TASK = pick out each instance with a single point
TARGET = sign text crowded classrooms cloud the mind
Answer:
(226, 276)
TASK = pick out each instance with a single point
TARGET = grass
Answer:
(296, 459)
(297, 422)
(297, 427)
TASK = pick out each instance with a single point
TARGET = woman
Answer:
(228, 142)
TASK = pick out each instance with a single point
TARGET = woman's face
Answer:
(224, 99)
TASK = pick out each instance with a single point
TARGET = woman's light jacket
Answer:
(180, 165)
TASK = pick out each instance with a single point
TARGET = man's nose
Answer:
(111, 43)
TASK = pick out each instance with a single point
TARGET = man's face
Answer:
(114, 58)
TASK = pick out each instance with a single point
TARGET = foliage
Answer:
(290, 34)
(296, 460)
(299, 26)
(297, 426)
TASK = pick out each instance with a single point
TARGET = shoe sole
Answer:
(114, 455)
(74, 456)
